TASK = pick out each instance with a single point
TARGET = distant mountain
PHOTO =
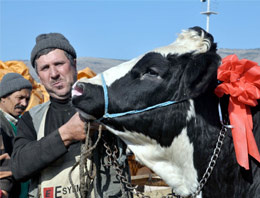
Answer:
(250, 54)
(99, 65)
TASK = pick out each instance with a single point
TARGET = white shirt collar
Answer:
(9, 117)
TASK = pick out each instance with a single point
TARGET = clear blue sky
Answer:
(123, 29)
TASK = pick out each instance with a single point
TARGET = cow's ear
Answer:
(200, 74)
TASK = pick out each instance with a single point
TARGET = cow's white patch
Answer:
(112, 74)
(121, 70)
(191, 112)
(174, 163)
(187, 41)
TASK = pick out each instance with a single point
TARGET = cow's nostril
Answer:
(78, 89)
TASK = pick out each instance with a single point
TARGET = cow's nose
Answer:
(78, 89)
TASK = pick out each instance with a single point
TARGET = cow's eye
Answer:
(152, 72)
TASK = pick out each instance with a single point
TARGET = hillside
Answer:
(251, 54)
(101, 64)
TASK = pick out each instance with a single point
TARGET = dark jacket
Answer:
(7, 136)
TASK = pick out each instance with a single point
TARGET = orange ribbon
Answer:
(241, 80)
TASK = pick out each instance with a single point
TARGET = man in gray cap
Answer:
(50, 134)
(15, 93)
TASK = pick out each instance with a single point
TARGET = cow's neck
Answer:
(209, 127)
(173, 162)
(181, 163)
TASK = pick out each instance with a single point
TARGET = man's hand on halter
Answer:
(74, 130)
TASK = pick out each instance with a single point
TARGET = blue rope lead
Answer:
(113, 115)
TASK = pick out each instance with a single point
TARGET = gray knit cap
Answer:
(51, 40)
(12, 82)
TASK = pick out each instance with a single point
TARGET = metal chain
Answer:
(213, 159)
(112, 161)
(210, 167)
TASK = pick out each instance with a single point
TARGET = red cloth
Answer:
(241, 80)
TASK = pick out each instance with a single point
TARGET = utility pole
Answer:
(208, 13)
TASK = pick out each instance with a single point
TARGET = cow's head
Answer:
(182, 71)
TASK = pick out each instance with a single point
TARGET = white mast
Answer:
(208, 13)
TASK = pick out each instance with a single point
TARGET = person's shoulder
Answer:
(25, 115)
(39, 107)
(4, 123)
(1, 115)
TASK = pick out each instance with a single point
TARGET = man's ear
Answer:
(200, 73)
(36, 68)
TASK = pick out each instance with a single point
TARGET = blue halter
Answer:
(114, 115)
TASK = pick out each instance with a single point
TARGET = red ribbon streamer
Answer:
(241, 80)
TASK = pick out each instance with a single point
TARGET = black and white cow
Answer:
(176, 141)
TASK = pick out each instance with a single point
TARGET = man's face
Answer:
(16, 103)
(56, 73)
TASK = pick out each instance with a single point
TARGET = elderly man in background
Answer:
(15, 93)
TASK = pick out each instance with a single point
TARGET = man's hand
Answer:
(3, 194)
(73, 130)
(4, 156)
(3, 174)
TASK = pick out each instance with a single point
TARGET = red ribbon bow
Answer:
(241, 80)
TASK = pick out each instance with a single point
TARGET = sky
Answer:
(123, 29)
